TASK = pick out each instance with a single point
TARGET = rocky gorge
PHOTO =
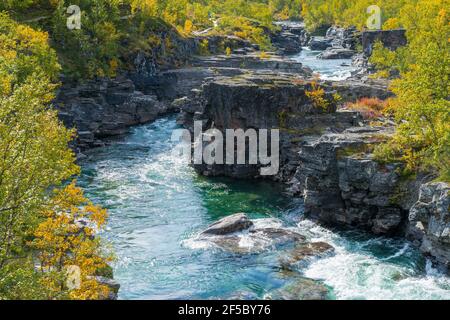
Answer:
(325, 153)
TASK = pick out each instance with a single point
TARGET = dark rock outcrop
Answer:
(291, 37)
(320, 43)
(366, 188)
(350, 189)
(238, 234)
(305, 253)
(348, 38)
(336, 53)
(267, 101)
(103, 108)
(288, 42)
(234, 223)
(429, 222)
(391, 39)
(337, 38)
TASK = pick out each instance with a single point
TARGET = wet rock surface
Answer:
(320, 43)
(336, 53)
(238, 234)
(305, 253)
(230, 224)
(302, 289)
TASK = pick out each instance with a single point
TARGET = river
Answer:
(157, 205)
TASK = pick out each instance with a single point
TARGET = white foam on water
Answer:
(399, 253)
(197, 243)
(357, 274)
(337, 76)
(246, 242)
(332, 70)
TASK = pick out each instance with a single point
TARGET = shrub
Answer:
(203, 48)
(319, 98)
(421, 107)
(264, 55)
(370, 108)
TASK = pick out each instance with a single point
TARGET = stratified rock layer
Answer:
(430, 222)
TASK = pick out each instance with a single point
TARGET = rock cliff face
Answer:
(291, 38)
(342, 185)
(325, 156)
(265, 101)
(391, 39)
(105, 107)
(262, 100)
(429, 222)
(338, 43)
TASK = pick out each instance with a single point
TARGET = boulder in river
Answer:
(238, 234)
(305, 252)
(234, 223)
(320, 43)
(257, 240)
(336, 53)
(302, 289)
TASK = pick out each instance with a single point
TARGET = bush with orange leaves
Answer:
(370, 108)
(66, 239)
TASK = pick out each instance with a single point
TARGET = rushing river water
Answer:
(157, 205)
(334, 69)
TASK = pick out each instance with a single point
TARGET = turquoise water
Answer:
(158, 205)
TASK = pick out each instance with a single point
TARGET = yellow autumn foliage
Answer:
(36, 158)
(66, 237)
